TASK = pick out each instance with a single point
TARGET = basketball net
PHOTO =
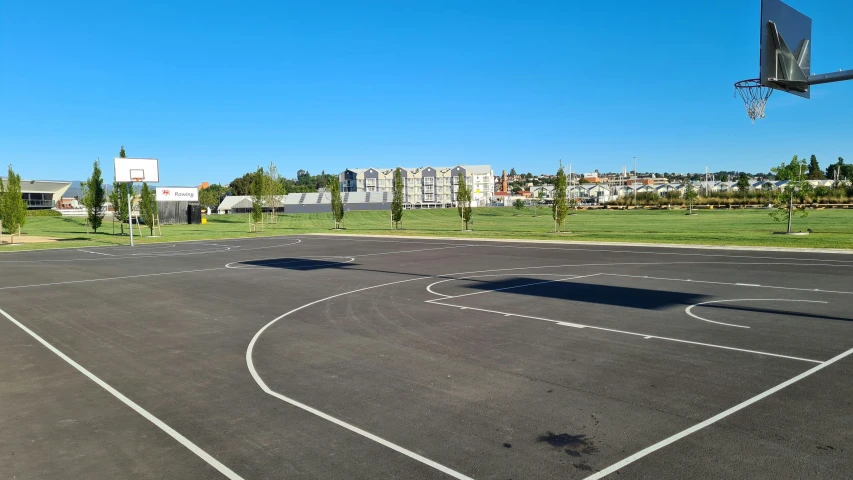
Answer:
(755, 96)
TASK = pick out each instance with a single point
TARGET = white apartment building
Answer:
(424, 187)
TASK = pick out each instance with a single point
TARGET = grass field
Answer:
(832, 228)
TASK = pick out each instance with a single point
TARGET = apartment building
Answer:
(424, 187)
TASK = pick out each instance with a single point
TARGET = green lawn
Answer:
(832, 228)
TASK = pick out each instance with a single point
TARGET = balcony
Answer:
(39, 203)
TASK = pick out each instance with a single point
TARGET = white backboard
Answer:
(136, 170)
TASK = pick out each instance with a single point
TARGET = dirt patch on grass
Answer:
(5, 240)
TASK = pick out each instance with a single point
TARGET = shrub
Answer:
(43, 213)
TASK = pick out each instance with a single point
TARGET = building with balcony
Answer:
(41, 194)
(424, 187)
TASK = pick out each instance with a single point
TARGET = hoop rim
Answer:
(750, 83)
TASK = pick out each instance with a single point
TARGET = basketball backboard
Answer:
(786, 43)
(136, 170)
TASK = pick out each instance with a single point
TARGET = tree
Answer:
(463, 202)
(512, 172)
(94, 197)
(242, 185)
(121, 153)
(257, 194)
(13, 209)
(397, 201)
(518, 204)
(815, 173)
(791, 170)
(211, 196)
(337, 203)
(540, 198)
(840, 170)
(796, 187)
(147, 207)
(273, 189)
(743, 186)
(724, 177)
(561, 206)
(118, 198)
(690, 195)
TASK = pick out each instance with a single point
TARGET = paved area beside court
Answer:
(339, 357)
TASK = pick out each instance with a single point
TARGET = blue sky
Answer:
(214, 89)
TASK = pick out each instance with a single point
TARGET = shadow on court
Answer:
(291, 263)
(568, 290)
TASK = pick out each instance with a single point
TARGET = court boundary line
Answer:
(198, 451)
(570, 243)
(689, 309)
(644, 335)
(699, 426)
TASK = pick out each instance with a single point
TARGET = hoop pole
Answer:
(130, 211)
(831, 77)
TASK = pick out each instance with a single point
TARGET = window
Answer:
(429, 189)
(370, 184)
(429, 197)
(429, 181)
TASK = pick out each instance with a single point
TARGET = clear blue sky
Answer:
(214, 89)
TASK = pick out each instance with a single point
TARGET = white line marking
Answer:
(678, 436)
(644, 335)
(689, 309)
(250, 364)
(573, 325)
(729, 283)
(146, 255)
(447, 297)
(97, 253)
(227, 472)
(111, 278)
(485, 242)
(409, 251)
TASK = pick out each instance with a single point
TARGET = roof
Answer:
(57, 188)
(231, 200)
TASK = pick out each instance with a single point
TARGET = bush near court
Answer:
(817, 196)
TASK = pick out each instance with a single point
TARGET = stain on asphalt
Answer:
(573, 445)
(507, 445)
(582, 466)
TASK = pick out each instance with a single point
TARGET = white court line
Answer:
(448, 297)
(110, 278)
(716, 418)
(729, 283)
(689, 309)
(250, 364)
(656, 247)
(227, 472)
(644, 335)
(97, 253)
(147, 255)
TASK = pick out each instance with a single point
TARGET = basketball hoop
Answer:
(754, 95)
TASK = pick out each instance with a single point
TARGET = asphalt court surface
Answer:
(343, 357)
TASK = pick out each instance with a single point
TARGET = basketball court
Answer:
(340, 357)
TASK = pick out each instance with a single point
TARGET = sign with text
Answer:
(167, 194)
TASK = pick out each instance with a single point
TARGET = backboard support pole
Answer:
(130, 211)
(831, 77)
